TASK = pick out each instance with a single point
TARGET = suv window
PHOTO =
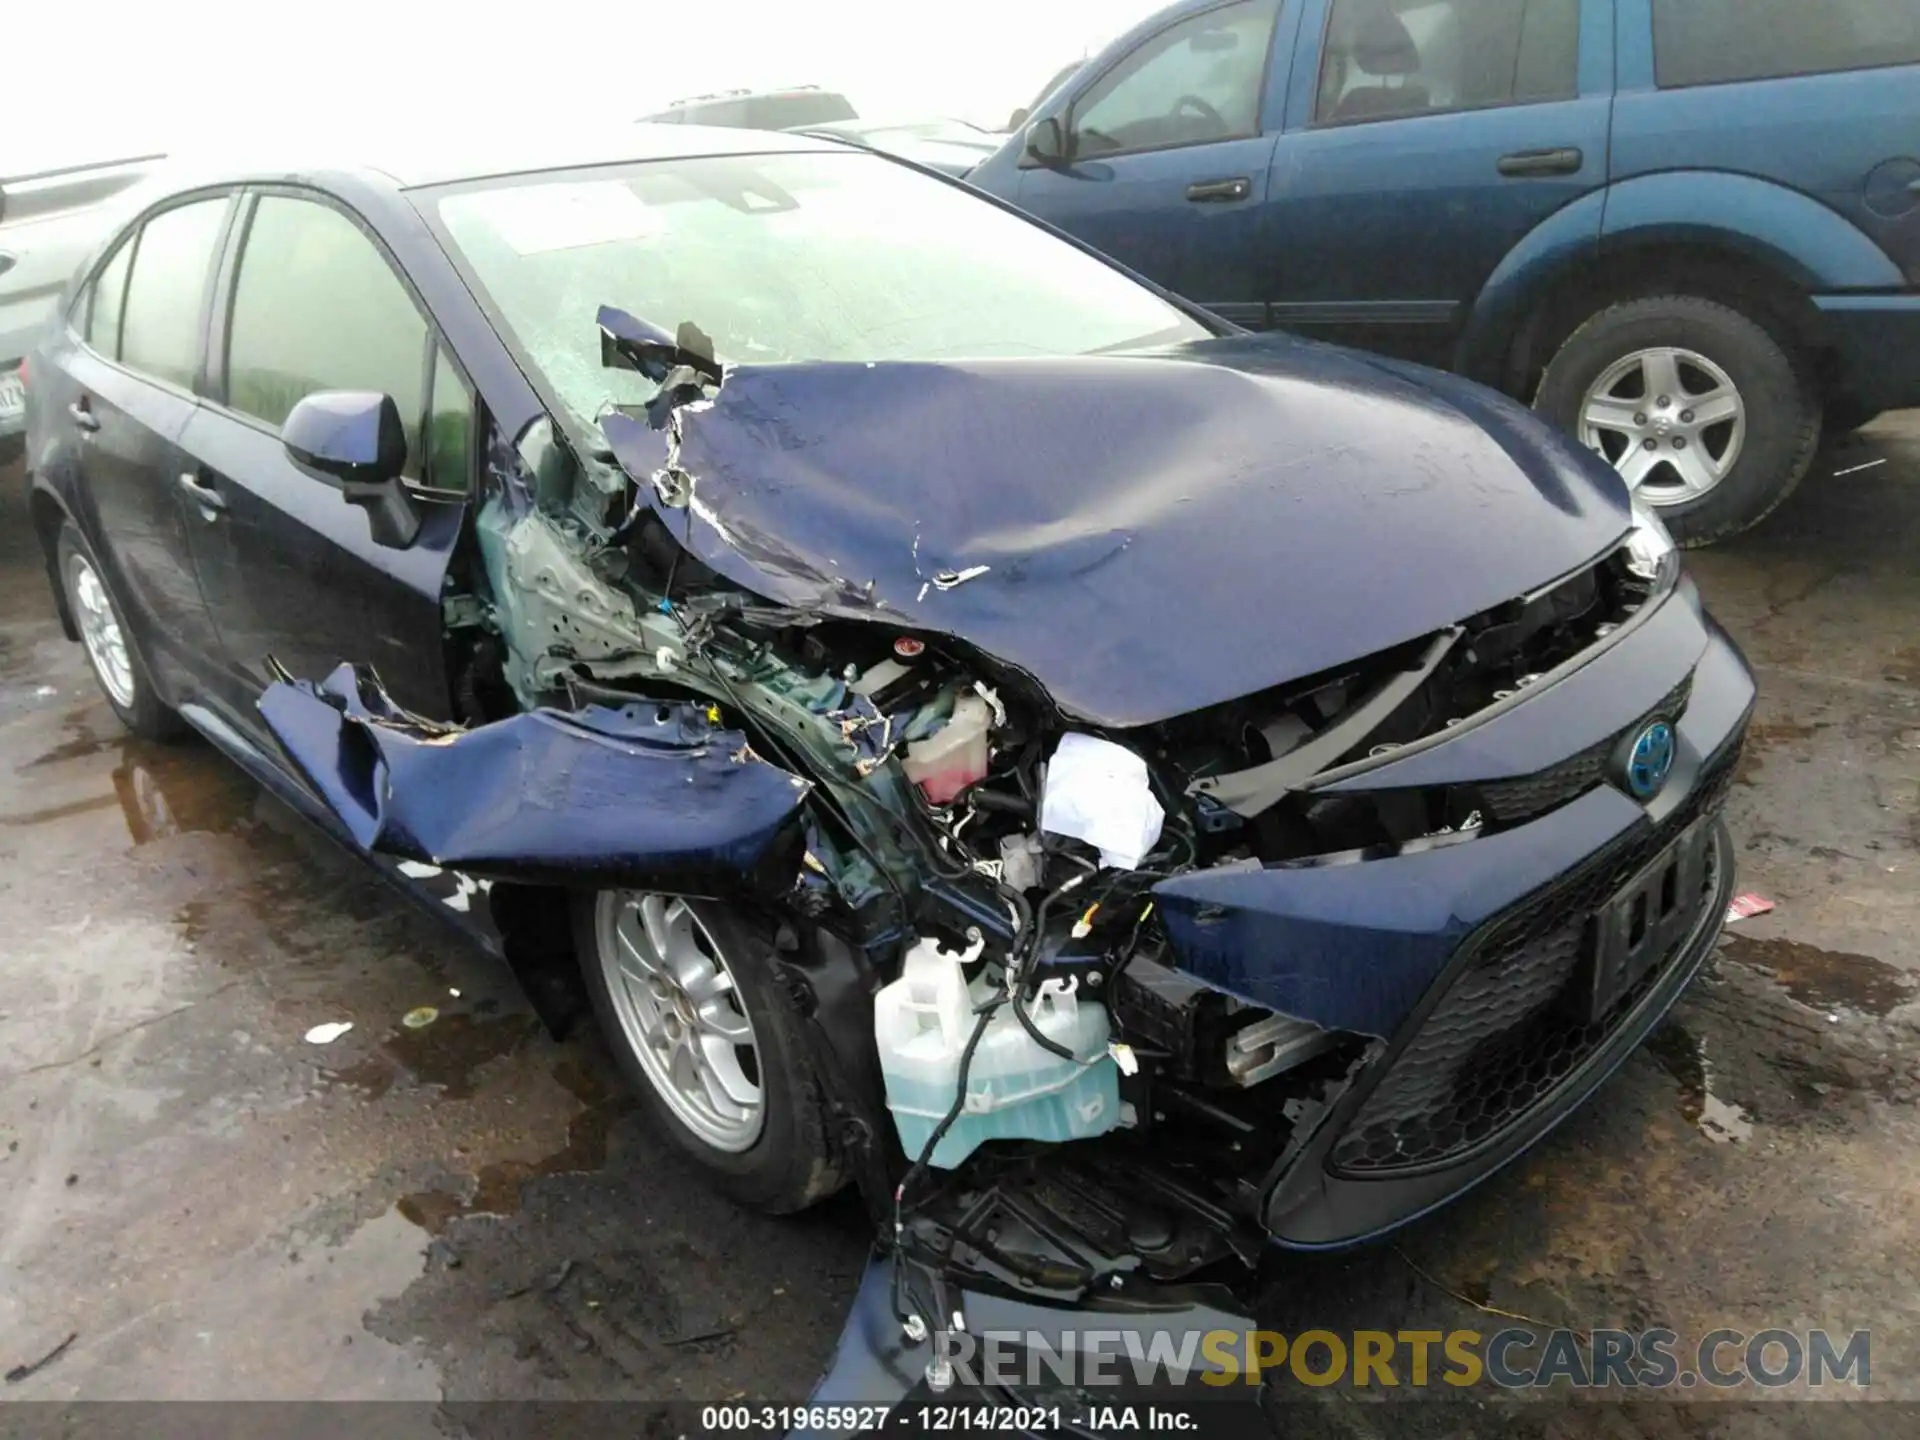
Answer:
(104, 302)
(317, 307)
(1193, 83)
(160, 320)
(1388, 59)
(1711, 42)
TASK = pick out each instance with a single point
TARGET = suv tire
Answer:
(1741, 468)
(700, 974)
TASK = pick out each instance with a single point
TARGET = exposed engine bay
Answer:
(972, 852)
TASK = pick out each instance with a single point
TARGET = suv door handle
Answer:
(201, 491)
(82, 416)
(1205, 192)
(1528, 164)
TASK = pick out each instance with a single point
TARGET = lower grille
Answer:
(1512, 1026)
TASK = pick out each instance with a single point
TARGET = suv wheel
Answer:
(116, 662)
(687, 996)
(1701, 410)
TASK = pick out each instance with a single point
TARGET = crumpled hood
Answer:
(1145, 534)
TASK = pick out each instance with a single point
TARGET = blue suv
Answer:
(1686, 230)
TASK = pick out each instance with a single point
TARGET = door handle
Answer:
(201, 491)
(82, 416)
(1214, 191)
(1530, 164)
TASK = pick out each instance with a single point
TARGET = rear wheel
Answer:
(1702, 411)
(688, 999)
(117, 666)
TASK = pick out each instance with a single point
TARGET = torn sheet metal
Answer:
(1144, 534)
(649, 793)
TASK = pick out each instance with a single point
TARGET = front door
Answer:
(135, 378)
(290, 569)
(1425, 139)
(1166, 165)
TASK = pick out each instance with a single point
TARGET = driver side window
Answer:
(1192, 84)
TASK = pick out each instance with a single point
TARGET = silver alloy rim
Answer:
(1669, 420)
(100, 629)
(681, 1014)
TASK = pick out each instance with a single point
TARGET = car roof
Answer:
(408, 162)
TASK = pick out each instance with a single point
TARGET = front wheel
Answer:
(1702, 411)
(688, 998)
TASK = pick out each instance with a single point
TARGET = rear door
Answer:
(143, 327)
(1167, 165)
(1424, 140)
(310, 301)
(1824, 98)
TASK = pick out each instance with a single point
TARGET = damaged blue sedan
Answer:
(1118, 790)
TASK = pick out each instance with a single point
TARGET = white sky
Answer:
(117, 77)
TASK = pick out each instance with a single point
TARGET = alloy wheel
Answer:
(681, 1014)
(1670, 420)
(100, 631)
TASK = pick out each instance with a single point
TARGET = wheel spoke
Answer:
(653, 915)
(1695, 469)
(1714, 408)
(726, 1083)
(1662, 371)
(1605, 413)
(1636, 465)
(635, 963)
(720, 1019)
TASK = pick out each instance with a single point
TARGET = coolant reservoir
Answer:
(955, 755)
(1016, 1089)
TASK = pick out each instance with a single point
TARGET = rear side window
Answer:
(160, 324)
(104, 305)
(1712, 42)
(1389, 59)
(1192, 84)
(317, 307)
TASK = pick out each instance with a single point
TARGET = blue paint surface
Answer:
(1146, 534)
(640, 794)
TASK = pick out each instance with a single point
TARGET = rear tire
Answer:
(691, 1005)
(118, 667)
(1708, 480)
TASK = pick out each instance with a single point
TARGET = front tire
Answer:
(1704, 413)
(688, 998)
(117, 665)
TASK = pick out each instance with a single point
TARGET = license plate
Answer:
(1649, 916)
(13, 397)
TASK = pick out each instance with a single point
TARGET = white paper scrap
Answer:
(1099, 792)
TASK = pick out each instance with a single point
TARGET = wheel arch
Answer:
(48, 515)
(1750, 244)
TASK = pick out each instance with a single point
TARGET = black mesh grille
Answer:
(1509, 1031)
(1512, 801)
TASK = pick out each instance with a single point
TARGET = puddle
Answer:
(159, 793)
(82, 740)
(446, 1054)
(497, 1187)
(1684, 1056)
(1824, 979)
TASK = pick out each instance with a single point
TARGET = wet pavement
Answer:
(469, 1210)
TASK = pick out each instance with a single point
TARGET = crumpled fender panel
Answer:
(1353, 946)
(651, 793)
(1147, 534)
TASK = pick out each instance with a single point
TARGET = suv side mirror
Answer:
(353, 440)
(1047, 142)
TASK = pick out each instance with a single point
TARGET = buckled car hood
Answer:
(1145, 534)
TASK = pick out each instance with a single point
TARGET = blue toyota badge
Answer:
(1650, 761)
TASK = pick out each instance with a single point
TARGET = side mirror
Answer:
(1047, 142)
(353, 440)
